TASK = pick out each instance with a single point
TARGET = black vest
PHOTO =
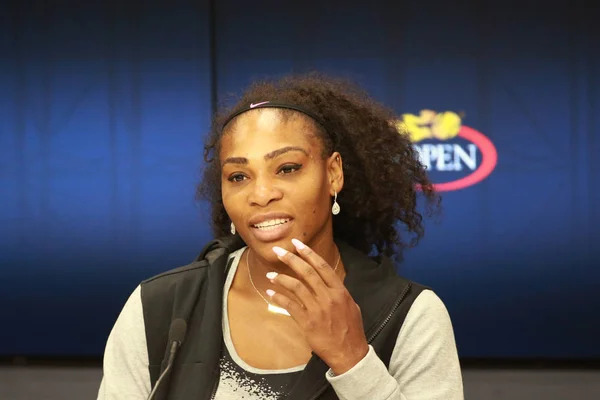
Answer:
(195, 293)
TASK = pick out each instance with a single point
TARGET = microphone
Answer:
(177, 333)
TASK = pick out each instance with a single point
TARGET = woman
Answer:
(312, 191)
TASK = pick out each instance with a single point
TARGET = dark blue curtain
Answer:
(104, 109)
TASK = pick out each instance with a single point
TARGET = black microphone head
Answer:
(177, 331)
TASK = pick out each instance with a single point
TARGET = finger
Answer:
(295, 309)
(296, 287)
(304, 270)
(325, 270)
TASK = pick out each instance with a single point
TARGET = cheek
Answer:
(315, 205)
(229, 202)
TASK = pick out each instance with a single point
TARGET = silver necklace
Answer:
(271, 307)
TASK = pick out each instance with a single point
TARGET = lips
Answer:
(271, 227)
(263, 218)
(271, 223)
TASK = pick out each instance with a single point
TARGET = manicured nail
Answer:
(270, 292)
(279, 251)
(271, 275)
(298, 244)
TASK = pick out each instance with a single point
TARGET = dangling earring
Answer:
(335, 209)
(232, 229)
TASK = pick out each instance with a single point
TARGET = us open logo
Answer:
(456, 156)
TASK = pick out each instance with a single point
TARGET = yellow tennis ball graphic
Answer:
(446, 125)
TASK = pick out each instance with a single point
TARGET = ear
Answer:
(335, 173)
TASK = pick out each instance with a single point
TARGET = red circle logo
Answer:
(489, 158)
(444, 127)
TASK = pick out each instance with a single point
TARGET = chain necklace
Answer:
(271, 307)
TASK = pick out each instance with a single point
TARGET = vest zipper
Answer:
(214, 391)
(389, 317)
(377, 331)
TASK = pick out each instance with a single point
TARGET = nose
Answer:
(263, 192)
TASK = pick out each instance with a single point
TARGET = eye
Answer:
(236, 178)
(289, 168)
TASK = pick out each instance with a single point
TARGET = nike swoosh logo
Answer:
(252, 105)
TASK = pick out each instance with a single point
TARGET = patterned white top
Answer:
(238, 380)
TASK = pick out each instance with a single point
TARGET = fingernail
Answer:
(271, 275)
(279, 251)
(270, 292)
(298, 244)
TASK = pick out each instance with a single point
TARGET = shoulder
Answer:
(425, 358)
(427, 330)
(187, 281)
(194, 268)
(428, 313)
(174, 280)
(428, 303)
(131, 312)
(211, 253)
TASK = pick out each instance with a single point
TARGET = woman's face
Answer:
(275, 183)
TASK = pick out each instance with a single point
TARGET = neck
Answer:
(258, 267)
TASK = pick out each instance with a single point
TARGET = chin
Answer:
(265, 249)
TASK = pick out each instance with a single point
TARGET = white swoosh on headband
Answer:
(252, 105)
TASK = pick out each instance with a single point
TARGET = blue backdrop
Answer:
(103, 113)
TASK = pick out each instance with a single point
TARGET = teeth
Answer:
(270, 224)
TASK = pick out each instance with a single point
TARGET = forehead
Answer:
(268, 129)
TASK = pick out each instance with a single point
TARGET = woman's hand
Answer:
(326, 313)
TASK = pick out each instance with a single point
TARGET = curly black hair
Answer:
(383, 177)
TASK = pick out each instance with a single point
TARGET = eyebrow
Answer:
(268, 156)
